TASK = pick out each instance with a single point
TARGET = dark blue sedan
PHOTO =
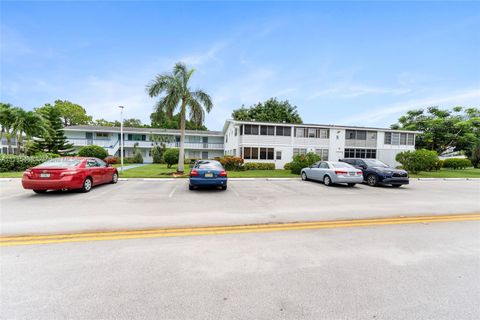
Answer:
(208, 173)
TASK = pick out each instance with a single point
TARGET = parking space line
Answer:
(234, 191)
(170, 195)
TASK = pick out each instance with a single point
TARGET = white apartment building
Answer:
(254, 141)
(279, 142)
(198, 144)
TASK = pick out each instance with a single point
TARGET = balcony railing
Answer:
(107, 143)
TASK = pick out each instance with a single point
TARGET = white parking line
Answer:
(172, 192)
(234, 191)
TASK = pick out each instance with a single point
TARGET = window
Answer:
(102, 134)
(247, 153)
(361, 135)
(270, 154)
(236, 132)
(278, 155)
(279, 131)
(388, 138)
(271, 131)
(312, 132)
(263, 153)
(395, 138)
(360, 153)
(297, 151)
(323, 165)
(323, 153)
(254, 153)
(299, 132)
(324, 133)
(251, 129)
(403, 139)
(410, 139)
(263, 130)
(101, 163)
(254, 130)
(287, 131)
(350, 135)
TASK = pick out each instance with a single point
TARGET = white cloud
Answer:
(469, 97)
(353, 91)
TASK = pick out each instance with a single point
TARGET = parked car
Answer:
(376, 172)
(208, 173)
(331, 172)
(69, 173)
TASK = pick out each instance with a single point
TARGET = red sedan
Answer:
(69, 173)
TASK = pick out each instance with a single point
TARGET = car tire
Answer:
(114, 177)
(87, 185)
(39, 191)
(304, 176)
(224, 187)
(351, 185)
(327, 181)
(190, 187)
(372, 180)
(396, 185)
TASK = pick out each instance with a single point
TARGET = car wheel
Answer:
(351, 185)
(396, 185)
(327, 181)
(304, 176)
(372, 180)
(224, 187)
(190, 187)
(87, 185)
(115, 177)
(39, 191)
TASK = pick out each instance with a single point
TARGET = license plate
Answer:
(208, 175)
(44, 175)
(352, 173)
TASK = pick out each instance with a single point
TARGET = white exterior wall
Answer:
(388, 152)
(336, 145)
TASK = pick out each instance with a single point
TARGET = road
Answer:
(407, 271)
(138, 204)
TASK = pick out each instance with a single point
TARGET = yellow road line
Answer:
(138, 234)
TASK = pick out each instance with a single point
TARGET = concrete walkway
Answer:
(131, 166)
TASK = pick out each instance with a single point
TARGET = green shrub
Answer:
(288, 166)
(231, 163)
(302, 161)
(112, 160)
(47, 155)
(259, 166)
(157, 154)
(11, 162)
(457, 163)
(418, 160)
(474, 154)
(439, 164)
(137, 157)
(170, 156)
(93, 151)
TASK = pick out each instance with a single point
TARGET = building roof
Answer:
(330, 126)
(142, 130)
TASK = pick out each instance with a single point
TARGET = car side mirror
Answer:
(108, 165)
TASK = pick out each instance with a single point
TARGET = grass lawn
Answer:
(161, 171)
(11, 174)
(449, 173)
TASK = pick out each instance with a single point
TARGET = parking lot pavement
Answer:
(137, 204)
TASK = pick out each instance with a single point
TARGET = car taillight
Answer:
(28, 172)
(194, 173)
(340, 172)
(68, 173)
(222, 173)
(359, 172)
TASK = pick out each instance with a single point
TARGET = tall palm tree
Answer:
(29, 124)
(178, 95)
(7, 121)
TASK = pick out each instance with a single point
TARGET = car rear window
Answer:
(209, 165)
(62, 163)
(340, 165)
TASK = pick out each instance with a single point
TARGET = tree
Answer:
(474, 154)
(71, 114)
(159, 146)
(7, 123)
(106, 123)
(93, 151)
(179, 96)
(53, 139)
(171, 156)
(29, 124)
(160, 120)
(271, 110)
(133, 123)
(457, 129)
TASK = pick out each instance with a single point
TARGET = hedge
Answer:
(11, 162)
(418, 160)
(457, 163)
(93, 151)
(259, 166)
(301, 161)
(231, 163)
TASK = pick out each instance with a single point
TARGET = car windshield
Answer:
(62, 163)
(340, 165)
(375, 163)
(209, 165)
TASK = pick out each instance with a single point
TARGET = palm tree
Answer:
(7, 121)
(178, 95)
(27, 123)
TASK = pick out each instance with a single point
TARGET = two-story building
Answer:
(198, 144)
(254, 141)
(279, 142)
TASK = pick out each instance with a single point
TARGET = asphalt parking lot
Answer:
(169, 203)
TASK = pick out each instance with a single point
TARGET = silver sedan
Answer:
(331, 172)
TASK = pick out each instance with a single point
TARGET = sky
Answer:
(346, 63)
